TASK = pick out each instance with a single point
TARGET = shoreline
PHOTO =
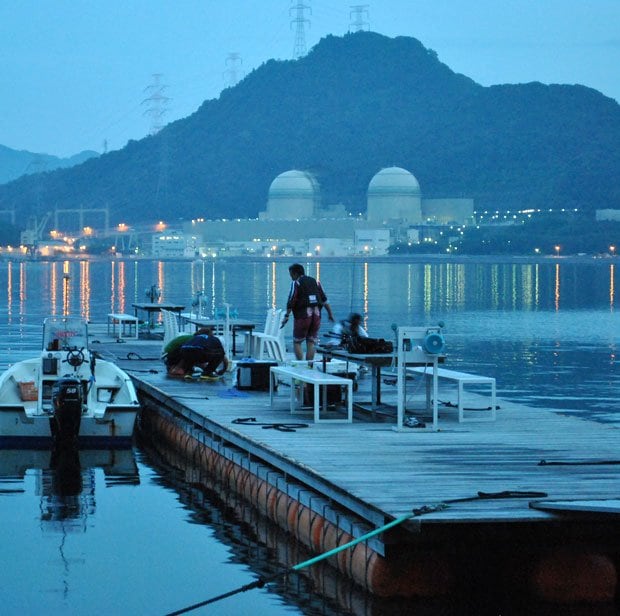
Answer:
(409, 258)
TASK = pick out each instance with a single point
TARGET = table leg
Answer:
(271, 378)
(317, 402)
(435, 396)
(293, 406)
(350, 402)
(376, 386)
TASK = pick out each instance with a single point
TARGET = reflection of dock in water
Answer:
(65, 480)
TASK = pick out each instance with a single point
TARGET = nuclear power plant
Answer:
(296, 222)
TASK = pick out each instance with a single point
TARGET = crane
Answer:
(34, 231)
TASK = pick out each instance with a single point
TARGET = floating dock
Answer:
(471, 496)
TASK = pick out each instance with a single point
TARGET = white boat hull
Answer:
(20, 429)
(107, 403)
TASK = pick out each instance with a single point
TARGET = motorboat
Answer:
(67, 396)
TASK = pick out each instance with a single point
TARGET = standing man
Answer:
(305, 300)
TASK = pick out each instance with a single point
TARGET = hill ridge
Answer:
(353, 105)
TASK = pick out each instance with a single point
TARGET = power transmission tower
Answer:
(357, 17)
(157, 103)
(300, 22)
(233, 65)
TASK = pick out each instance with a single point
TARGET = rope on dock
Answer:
(452, 405)
(281, 427)
(576, 462)
(261, 582)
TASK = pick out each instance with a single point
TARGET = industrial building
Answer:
(296, 222)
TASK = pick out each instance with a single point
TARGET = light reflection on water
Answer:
(542, 329)
(548, 333)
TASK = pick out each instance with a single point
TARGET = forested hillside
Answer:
(353, 105)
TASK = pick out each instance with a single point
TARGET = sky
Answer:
(79, 74)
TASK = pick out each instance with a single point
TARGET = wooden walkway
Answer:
(379, 473)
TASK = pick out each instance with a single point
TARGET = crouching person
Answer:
(204, 351)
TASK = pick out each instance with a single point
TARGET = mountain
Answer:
(15, 163)
(354, 105)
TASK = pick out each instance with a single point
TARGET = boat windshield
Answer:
(64, 333)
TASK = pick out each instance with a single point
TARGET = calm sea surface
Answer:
(126, 534)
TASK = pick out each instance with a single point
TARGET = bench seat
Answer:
(122, 325)
(462, 379)
(296, 376)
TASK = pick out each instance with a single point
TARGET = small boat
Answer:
(68, 396)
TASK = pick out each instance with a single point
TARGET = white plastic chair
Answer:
(171, 326)
(270, 344)
(251, 340)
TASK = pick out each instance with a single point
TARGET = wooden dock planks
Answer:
(380, 473)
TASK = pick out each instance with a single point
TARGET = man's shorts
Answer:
(307, 326)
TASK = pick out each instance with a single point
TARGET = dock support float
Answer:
(566, 576)
(415, 573)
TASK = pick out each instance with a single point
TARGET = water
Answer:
(144, 540)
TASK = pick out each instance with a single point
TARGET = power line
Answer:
(357, 17)
(300, 22)
(157, 103)
(233, 64)
(157, 106)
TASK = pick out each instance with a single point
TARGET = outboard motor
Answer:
(67, 403)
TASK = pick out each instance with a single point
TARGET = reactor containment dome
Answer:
(293, 195)
(394, 193)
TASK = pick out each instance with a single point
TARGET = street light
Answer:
(557, 250)
(612, 250)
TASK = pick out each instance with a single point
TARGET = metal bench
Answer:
(122, 325)
(319, 380)
(462, 379)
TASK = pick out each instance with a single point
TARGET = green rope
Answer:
(350, 544)
(307, 563)
(261, 582)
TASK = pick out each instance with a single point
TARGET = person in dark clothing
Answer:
(203, 350)
(305, 300)
(172, 353)
(344, 330)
